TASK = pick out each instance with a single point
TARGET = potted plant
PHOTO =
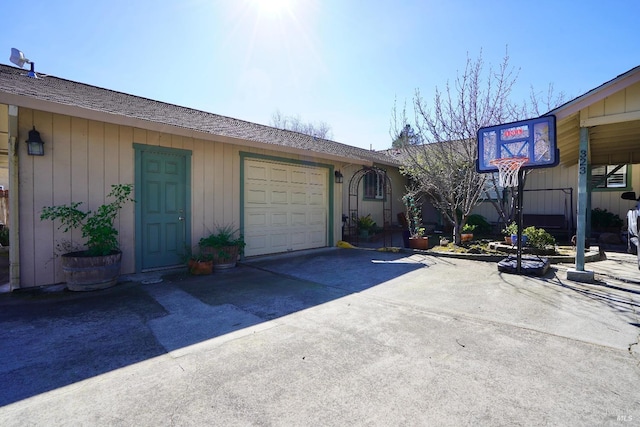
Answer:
(511, 233)
(97, 266)
(366, 224)
(466, 234)
(197, 264)
(417, 239)
(224, 246)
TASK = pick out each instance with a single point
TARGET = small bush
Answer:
(602, 218)
(4, 236)
(538, 238)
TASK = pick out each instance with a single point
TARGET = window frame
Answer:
(379, 192)
(608, 183)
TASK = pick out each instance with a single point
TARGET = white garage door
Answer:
(285, 207)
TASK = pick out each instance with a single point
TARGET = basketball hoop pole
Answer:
(519, 216)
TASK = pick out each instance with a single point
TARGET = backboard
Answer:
(534, 139)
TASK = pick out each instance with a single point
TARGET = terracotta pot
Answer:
(200, 268)
(419, 243)
(466, 237)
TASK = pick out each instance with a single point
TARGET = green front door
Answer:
(162, 211)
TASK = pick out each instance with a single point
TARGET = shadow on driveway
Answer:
(54, 339)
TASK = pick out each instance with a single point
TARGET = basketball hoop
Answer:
(508, 168)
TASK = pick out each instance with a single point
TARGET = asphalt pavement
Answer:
(329, 337)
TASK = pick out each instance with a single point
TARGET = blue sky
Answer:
(343, 62)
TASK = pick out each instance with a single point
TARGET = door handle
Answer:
(180, 218)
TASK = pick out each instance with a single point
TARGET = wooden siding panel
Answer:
(199, 217)
(61, 157)
(42, 195)
(218, 184)
(633, 98)
(614, 104)
(95, 162)
(126, 175)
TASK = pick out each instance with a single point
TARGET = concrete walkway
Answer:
(332, 337)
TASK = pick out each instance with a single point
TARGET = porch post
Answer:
(579, 274)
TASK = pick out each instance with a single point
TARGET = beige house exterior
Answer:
(278, 187)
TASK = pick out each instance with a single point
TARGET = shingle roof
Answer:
(13, 81)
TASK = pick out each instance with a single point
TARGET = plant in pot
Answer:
(511, 233)
(412, 203)
(97, 266)
(466, 234)
(197, 265)
(224, 246)
(366, 224)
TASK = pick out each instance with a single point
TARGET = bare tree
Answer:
(444, 165)
(294, 123)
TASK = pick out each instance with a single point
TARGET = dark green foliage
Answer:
(4, 236)
(366, 223)
(96, 226)
(602, 219)
(480, 224)
(223, 236)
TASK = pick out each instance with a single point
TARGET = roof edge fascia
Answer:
(117, 119)
(597, 94)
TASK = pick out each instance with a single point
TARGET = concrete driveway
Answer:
(332, 337)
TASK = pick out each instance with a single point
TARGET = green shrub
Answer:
(602, 218)
(4, 236)
(538, 238)
(479, 223)
(511, 229)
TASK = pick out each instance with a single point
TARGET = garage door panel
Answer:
(299, 176)
(258, 219)
(256, 196)
(279, 174)
(298, 218)
(317, 217)
(285, 207)
(279, 219)
(279, 197)
(259, 242)
(298, 198)
(256, 172)
(317, 237)
(317, 179)
(279, 242)
(317, 199)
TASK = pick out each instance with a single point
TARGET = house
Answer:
(191, 170)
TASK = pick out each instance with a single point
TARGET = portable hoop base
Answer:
(508, 168)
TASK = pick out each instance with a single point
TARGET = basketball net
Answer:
(508, 168)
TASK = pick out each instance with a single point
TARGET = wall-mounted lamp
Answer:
(339, 177)
(35, 144)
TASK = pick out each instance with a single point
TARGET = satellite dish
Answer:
(17, 57)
